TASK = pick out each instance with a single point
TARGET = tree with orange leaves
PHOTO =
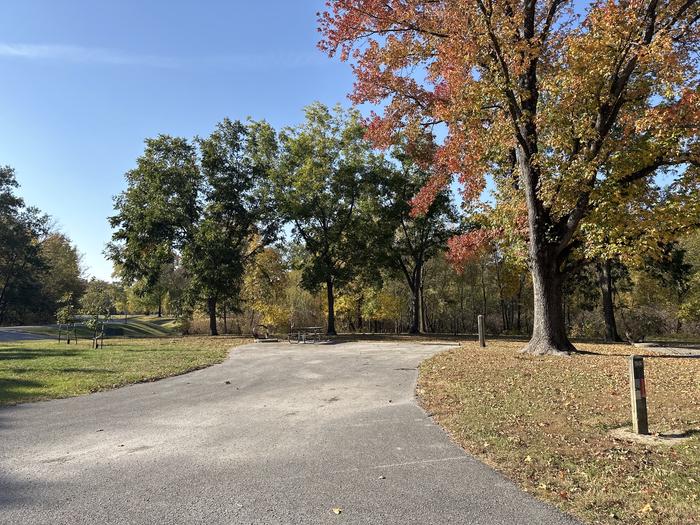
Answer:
(583, 110)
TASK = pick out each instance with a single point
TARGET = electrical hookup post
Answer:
(638, 392)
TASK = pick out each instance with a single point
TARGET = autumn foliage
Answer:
(577, 112)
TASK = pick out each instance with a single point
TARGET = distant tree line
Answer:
(41, 273)
(39, 266)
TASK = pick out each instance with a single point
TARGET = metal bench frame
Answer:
(305, 334)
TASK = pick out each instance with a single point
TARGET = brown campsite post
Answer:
(482, 334)
(640, 423)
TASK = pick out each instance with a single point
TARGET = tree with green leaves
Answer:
(197, 203)
(674, 273)
(408, 240)
(689, 309)
(318, 185)
(98, 304)
(158, 212)
(233, 227)
(22, 231)
(66, 316)
(63, 274)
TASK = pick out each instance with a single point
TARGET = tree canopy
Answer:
(581, 112)
(196, 203)
(38, 265)
(318, 185)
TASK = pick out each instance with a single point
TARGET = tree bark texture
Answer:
(211, 307)
(331, 308)
(606, 289)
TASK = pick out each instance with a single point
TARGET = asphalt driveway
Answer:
(278, 433)
(10, 335)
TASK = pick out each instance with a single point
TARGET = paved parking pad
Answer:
(278, 433)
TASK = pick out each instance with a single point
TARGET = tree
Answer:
(98, 304)
(166, 295)
(158, 212)
(197, 204)
(690, 308)
(318, 185)
(410, 240)
(38, 265)
(607, 288)
(638, 234)
(63, 273)
(264, 290)
(22, 230)
(674, 274)
(584, 111)
(66, 316)
(233, 226)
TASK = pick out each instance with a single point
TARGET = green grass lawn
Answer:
(45, 369)
(136, 326)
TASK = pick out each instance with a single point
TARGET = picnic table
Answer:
(304, 334)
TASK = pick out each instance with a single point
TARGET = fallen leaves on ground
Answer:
(545, 422)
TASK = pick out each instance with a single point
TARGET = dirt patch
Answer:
(667, 439)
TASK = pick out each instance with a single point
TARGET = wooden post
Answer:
(482, 332)
(640, 424)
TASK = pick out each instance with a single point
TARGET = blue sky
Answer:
(84, 82)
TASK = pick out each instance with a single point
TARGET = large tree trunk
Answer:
(549, 327)
(547, 242)
(331, 308)
(211, 306)
(606, 289)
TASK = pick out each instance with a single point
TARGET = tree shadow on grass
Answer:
(14, 391)
(18, 353)
(86, 370)
(632, 352)
(599, 354)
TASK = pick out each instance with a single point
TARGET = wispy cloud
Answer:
(83, 55)
(96, 55)
(271, 60)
